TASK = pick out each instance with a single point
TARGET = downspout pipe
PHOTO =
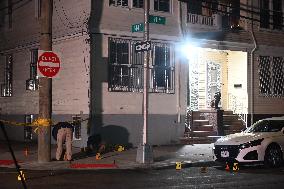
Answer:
(252, 68)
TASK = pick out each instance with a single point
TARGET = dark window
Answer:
(7, 86)
(138, 3)
(126, 74)
(194, 7)
(123, 3)
(235, 13)
(264, 14)
(162, 5)
(277, 14)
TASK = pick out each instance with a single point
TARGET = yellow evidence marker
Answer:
(236, 167)
(19, 176)
(120, 148)
(178, 165)
(98, 156)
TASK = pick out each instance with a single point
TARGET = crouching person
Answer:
(64, 134)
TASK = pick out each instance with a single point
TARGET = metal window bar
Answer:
(77, 127)
(28, 131)
(32, 82)
(126, 67)
(265, 75)
(122, 3)
(6, 88)
(278, 76)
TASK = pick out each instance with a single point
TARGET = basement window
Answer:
(7, 86)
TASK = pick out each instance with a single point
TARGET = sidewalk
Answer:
(164, 157)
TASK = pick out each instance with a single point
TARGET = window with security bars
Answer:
(126, 67)
(32, 82)
(7, 86)
(122, 3)
(271, 14)
(77, 127)
(271, 76)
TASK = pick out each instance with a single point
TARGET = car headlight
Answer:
(251, 143)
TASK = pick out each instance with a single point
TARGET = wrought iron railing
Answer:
(237, 105)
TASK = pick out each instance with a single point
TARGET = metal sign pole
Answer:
(144, 151)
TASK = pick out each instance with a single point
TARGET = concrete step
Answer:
(203, 133)
(199, 140)
(199, 122)
(228, 112)
(202, 128)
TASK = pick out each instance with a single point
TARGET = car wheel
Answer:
(273, 156)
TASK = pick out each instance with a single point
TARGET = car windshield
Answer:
(266, 126)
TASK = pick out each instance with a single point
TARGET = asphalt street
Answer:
(191, 177)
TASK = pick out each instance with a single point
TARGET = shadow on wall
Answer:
(111, 135)
(114, 134)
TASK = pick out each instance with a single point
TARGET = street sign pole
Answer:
(45, 86)
(144, 151)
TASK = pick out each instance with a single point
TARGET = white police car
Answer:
(262, 142)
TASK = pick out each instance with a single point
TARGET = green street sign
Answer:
(137, 27)
(157, 19)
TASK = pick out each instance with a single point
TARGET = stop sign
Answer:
(48, 64)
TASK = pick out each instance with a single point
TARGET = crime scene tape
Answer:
(39, 122)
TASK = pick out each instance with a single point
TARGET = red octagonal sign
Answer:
(48, 64)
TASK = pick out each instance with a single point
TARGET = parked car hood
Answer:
(243, 137)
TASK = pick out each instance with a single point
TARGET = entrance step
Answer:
(203, 133)
(202, 128)
(199, 140)
(200, 122)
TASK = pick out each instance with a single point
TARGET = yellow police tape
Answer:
(39, 122)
